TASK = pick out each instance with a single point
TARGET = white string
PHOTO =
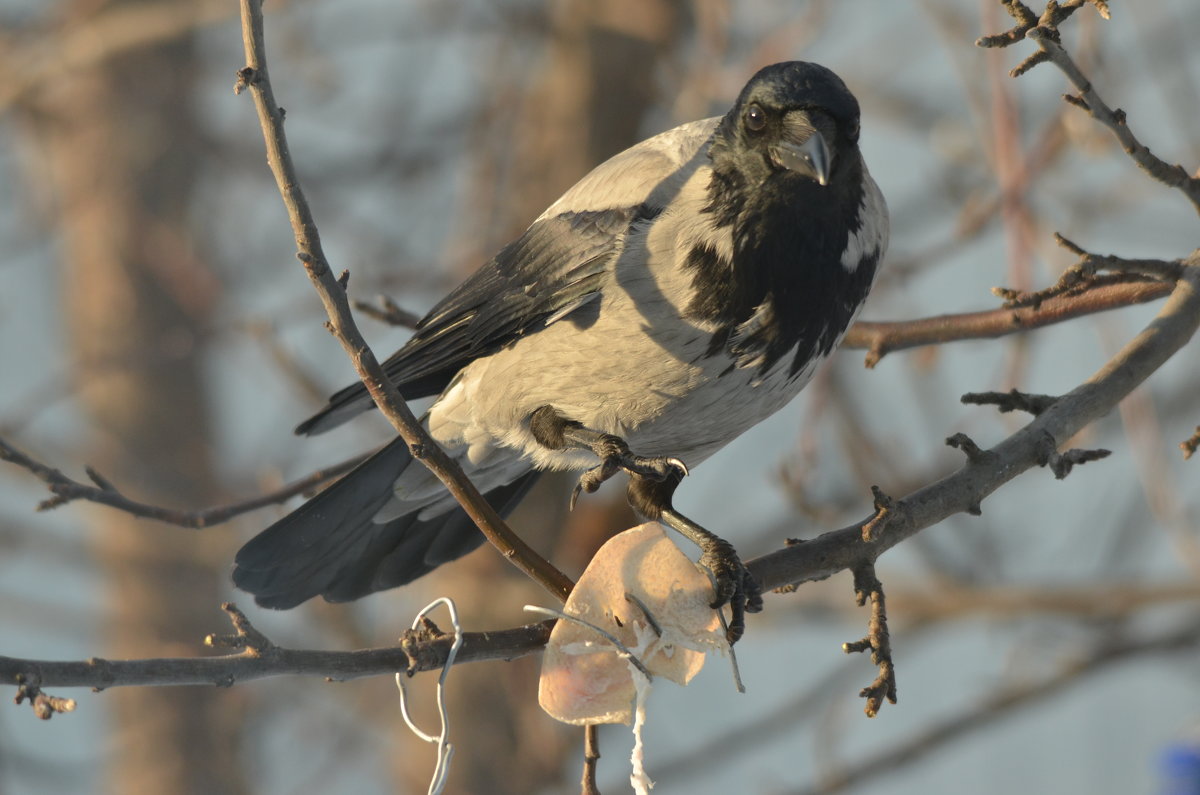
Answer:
(622, 650)
(444, 749)
(733, 663)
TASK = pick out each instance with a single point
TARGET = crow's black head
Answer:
(792, 118)
(806, 222)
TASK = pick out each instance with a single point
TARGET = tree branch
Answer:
(966, 488)
(259, 658)
(341, 323)
(66, 489)
(882, 338)
(1044, 31)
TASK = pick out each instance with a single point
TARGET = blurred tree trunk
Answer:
(121, 143)
(600, 77)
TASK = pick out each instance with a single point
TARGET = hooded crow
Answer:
(680, 293)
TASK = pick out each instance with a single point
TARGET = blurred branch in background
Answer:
(86, 38)
(104, 492)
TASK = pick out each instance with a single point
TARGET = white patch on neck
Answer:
(872, 235)
(764, 315)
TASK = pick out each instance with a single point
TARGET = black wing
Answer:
(559, 264)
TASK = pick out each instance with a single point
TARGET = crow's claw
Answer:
(615, 457)
(735, 585)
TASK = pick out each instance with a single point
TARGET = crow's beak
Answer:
(810, 157)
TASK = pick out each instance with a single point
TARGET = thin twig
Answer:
(883, 512)
(67, 489)
(388, 311)
(1175, 176)
(1083, 276)
(44, 706)
(300, 379)
(1013, 400)
(1062, 463)
(868, 588)
(1190, 445)
(246, 636)
(1044, 31)
(1054, 15)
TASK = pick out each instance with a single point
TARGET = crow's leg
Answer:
(556, 432)
(734, 583)
(652, 483)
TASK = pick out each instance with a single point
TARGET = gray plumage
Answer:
(677, 295)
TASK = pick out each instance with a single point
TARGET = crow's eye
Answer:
(756, 118)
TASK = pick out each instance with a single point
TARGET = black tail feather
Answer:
(429, 544)
(343, 405)
(332, 547)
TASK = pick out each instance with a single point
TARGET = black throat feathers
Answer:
(787, 288)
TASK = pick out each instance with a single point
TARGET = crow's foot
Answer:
(735, 585)
(615, 457)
